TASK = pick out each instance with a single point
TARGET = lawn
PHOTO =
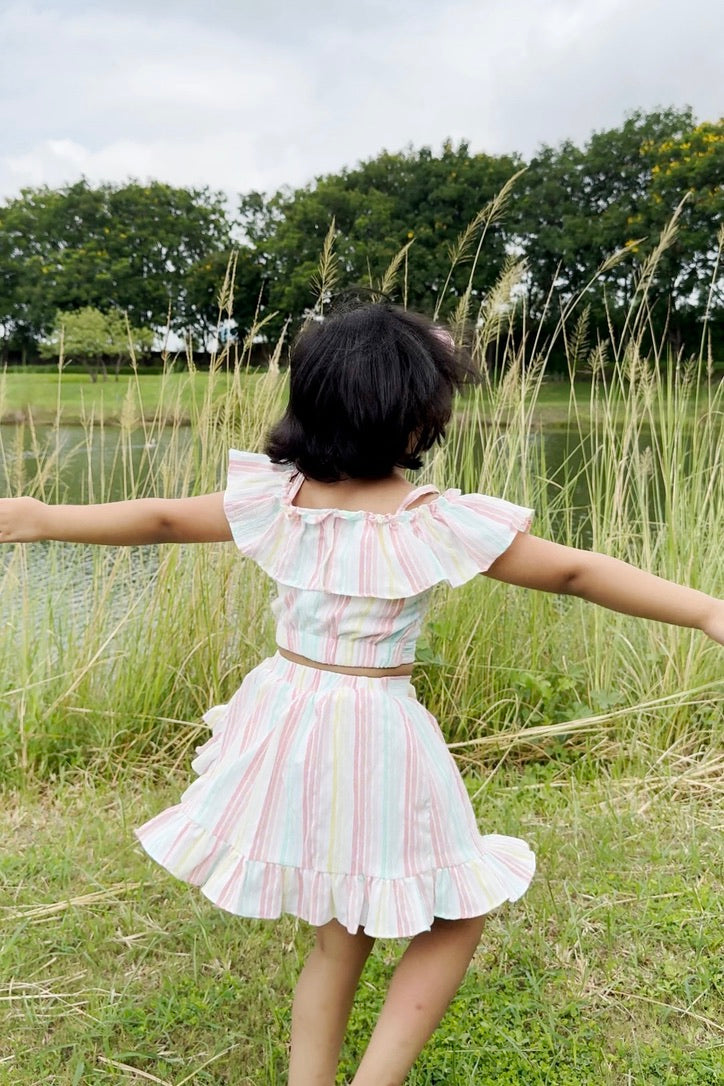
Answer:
(39, 396)
(608, 972)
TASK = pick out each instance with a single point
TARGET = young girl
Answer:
(326, 790)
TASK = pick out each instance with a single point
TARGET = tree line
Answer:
(430, 228)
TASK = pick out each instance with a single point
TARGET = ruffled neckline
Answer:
(354, 552)
(293, 484)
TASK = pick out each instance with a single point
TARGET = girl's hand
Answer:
(713, 625)
(22, 520)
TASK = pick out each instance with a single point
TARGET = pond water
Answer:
(79, 474)
(79, 471)
(76, 474)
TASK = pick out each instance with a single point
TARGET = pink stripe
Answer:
(229, 815)
(436, 831)
(411, 573)
(309, 811)
(409, 802)
(491, 510)
(370, 756)
(366, 738)
(168, 816)
(426, 488)
(339, 608)
(355, 857)
(258, 714)
(273, 800)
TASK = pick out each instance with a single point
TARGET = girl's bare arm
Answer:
(550, 567)
(143, 520)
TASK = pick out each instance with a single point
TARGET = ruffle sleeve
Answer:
(355, 553)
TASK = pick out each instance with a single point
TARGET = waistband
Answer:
(313, 678)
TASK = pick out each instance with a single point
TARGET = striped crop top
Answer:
(353, 586)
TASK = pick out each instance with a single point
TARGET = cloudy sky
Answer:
(253, 94)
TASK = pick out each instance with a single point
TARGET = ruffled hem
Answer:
(356, 553)
(386, 908)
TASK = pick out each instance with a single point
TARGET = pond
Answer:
(78, 471)
(95, 470)
(99, 470)
(97, 465)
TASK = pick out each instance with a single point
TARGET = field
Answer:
(596, 736)
(607, 972)
(43, 398)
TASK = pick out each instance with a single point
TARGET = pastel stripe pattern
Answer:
(354, 587)
(384, 555)
(330, 795)
(327, 795)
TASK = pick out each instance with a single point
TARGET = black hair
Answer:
(371, 388)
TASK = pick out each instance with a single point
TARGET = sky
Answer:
(245, 95)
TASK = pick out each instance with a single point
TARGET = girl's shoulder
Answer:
(449, 536)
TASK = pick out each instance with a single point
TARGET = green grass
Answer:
(42, 397)
(90, 681)
(595, 735)
(607, 972)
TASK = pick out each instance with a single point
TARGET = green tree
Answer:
(94, 338)
(129, 247)
(378, 208)
(690, 166)
(578, 206)
(160, 234)
(239, 271)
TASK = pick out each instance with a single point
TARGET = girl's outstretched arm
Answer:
(550, 567)
(143, 520)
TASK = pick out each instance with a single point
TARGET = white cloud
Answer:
(240, 96)
(195, 162)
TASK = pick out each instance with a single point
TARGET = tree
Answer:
(204, 290)
(691, 166)
(89, 336)
(160, 233)
(378, 208)
(128, 247)
(578, 206)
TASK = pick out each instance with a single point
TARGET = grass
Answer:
(607, 972)
(43, 398)
(46, 398)
(117, 661)
(595, 735)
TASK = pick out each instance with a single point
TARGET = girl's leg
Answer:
(425, 980)
(322, 1002)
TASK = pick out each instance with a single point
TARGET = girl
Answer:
(325, 789)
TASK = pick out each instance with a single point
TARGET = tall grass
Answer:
(108, 657)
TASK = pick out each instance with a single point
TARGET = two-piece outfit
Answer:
(331, 795)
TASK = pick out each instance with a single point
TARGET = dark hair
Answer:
(371, 387)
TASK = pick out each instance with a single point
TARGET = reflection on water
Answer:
(76, 468)
(103, 464)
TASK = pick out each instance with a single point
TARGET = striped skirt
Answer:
(326, 796)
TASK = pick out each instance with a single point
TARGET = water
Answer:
(101, 464)
(74, 475)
